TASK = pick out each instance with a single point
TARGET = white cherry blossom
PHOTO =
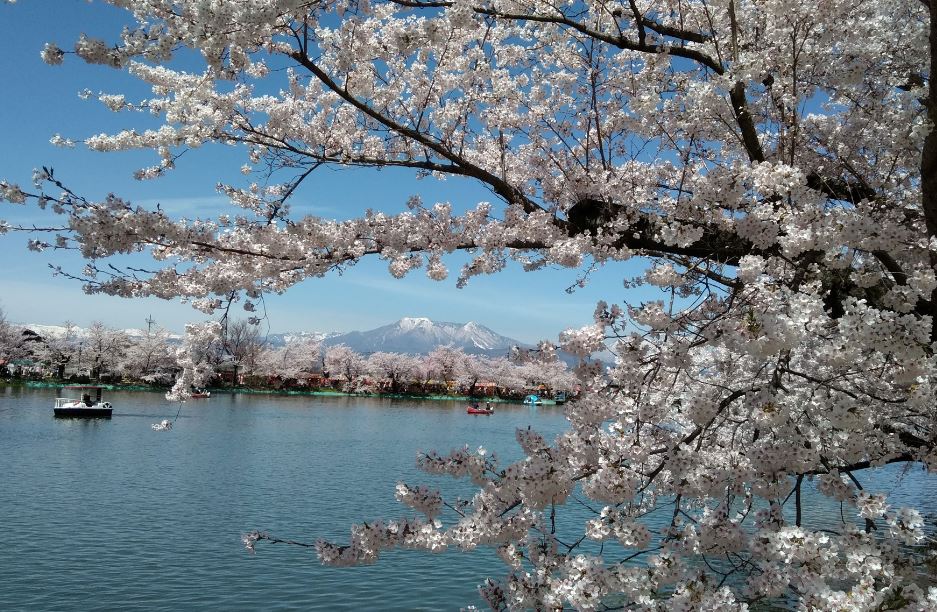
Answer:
(772, 163)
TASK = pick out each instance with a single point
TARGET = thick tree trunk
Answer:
(929, 155)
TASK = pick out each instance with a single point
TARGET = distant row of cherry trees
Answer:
(243, 356)
(445, 369)
(97, 353)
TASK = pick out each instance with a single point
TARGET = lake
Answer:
(103, 515)
(111, 514)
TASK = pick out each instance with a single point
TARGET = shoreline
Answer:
(41, 384)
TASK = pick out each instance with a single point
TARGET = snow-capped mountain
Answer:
(413, 335)
(419, 335)
(55, 331)
(278, 340)
(81, 333)
(58, 331)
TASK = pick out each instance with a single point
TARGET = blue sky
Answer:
(43, 100)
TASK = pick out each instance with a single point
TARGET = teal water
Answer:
(105, 515)
(110, 515)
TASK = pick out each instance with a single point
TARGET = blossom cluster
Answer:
(768, 165)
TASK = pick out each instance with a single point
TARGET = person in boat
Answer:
(86, 398)
(488, 406)
(474, 405)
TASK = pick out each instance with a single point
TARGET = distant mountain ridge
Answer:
(410, 335)
(58, 331)
(413, 335)
(419, 336)
(282, 339)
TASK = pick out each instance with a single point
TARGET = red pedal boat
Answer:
(473, 410)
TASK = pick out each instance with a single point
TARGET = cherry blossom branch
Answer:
(509, 193)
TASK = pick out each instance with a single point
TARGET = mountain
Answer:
(282, 339)
(413, 335)
(419, 335)
(81, 333)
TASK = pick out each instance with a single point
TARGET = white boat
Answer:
(533, 400)
(85, 406)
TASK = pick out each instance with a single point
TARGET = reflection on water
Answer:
(112, 515)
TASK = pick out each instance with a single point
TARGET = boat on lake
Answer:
(87, 406)
(201, 394)
(478, 410)
(533, 400)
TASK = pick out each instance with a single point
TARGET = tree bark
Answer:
(929, 154)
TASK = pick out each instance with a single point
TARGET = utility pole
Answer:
(149, 324)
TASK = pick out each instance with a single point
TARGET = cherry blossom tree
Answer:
(475, 368)
(395, 368)
(552, 376)
(291, 360)
(197, 357)
(59, 350)
(149, 358)
(342, 362)
(104, 348)
(505, 374)
(445, 363)
(774, 161)
(243, 345)
(14, 344)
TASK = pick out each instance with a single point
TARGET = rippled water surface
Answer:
(104, 514)
(110, 515)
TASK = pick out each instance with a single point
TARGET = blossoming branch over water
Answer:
(773, 163)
